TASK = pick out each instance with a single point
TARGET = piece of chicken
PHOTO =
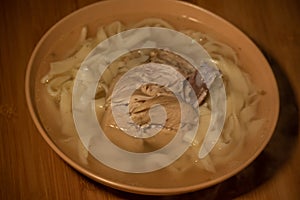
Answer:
(150, 95)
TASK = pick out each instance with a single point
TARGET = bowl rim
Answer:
(130, 188)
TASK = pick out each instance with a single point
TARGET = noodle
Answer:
(242, 97)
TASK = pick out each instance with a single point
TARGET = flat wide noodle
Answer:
(242, 97)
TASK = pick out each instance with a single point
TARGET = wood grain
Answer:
(29, 169)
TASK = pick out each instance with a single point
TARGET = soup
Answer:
(55, 96)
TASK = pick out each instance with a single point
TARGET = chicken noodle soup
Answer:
(242, 97)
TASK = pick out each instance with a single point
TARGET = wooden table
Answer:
(29, 168)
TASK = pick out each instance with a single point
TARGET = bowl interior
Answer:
(58, 41)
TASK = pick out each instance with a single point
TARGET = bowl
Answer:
(59, 41)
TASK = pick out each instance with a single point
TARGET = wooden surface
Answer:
(29, 169)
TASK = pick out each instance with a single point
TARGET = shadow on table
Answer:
(276, 153)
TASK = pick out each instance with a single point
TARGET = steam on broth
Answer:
(242, 98)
